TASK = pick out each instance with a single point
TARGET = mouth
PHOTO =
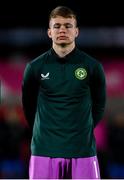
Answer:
(62, 38)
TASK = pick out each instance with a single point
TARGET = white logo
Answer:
(43, 77)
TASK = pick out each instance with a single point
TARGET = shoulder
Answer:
(40, 59)
(88, 58)
(33, 67)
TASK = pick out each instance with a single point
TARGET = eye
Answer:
(68, 25)
(56, 26)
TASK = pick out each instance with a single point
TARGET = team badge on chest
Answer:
(80, 73)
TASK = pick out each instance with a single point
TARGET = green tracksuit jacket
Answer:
(63, 100)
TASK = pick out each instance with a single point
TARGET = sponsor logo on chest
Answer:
(45, 76)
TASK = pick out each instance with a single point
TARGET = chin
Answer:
(63, 44)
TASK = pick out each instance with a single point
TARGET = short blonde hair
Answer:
(64, 12)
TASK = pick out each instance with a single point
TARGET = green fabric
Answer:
(64, 98)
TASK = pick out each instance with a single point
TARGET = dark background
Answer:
(32, 15)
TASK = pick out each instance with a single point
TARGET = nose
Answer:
(62, 28)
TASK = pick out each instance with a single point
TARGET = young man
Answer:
(63, 97)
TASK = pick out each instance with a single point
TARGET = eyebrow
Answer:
(65, 24)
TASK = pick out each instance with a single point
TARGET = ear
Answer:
(49, 33)
(77, 32)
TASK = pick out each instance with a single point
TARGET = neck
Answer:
(63, 51)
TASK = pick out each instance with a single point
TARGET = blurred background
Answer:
(23, 36)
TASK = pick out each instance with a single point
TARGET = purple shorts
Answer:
(63, 168)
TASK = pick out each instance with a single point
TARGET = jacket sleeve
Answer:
(98, 93)
(29, 95)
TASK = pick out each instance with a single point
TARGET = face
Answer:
(62, 31)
